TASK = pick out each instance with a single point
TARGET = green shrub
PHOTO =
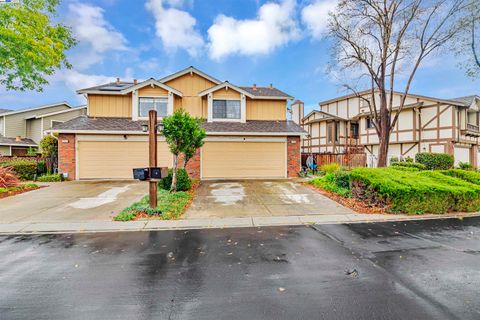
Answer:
(394, 159)
(465, 166)
(184, 183)
(415, 192)
(417, 166)
(24, 168)
(330, 168)
(470, 176)
(50, 178)
(435, 161)
(404, 168)
(334, 182)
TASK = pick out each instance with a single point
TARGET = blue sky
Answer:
(242, 41)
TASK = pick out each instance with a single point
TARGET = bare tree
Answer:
(468, 46)
(382, 44)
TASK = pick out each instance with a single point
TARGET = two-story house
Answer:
(248, 134)
(425, 124)
(23, 129)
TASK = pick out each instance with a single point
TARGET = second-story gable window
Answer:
(226, 109)
(147, 104)
(369, 123)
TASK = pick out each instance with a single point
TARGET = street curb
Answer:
(214, 223)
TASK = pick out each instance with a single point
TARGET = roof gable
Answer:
(127, 87)
(12, 112)
(225, 84)
(187, 71)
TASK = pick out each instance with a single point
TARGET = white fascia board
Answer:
(152, 81)
(58, 112)
(37, 108)
(189, 70)
(225, 85)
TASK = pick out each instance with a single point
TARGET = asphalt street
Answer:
(409, 270)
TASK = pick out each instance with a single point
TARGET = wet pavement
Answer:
(398, 270)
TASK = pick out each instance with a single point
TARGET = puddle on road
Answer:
(103, 198)
(227, 193)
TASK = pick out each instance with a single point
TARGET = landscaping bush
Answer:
(8, 178)
(184, 183)
(50, 178)
(414, 192)
(417, 166)
(24, 169)
(435, 161)
(338, 183)
(330, 168)
(465, 166)
(470, 176)
(404, 168)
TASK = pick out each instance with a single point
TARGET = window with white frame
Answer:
(226, 109)
(147, 104)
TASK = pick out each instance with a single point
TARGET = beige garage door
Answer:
(243, 160)
(116, 159)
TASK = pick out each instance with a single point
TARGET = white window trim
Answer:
(169, 97)
(243, 109)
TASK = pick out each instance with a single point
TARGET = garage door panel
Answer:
(115, 159)
(243, 160)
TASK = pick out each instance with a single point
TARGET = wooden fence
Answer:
(344, 159)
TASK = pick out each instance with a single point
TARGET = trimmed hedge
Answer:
(50, 178)
(338, 183)
(184, 183)
(435, 161)
(25, 169)
(415, 192)
(414, 165)
(470, 176)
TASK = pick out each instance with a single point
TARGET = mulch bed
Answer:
(18, 191)
(351, 203)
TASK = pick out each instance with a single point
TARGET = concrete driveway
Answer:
(254, 198)
(74, 201)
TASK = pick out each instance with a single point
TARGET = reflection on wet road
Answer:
(408, 270)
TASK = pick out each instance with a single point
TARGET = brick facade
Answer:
(193, 165)
(293, 157)
(66, 155)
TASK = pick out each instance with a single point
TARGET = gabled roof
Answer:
(468, 100)
(127, 87)
(4, 110)
(24, 142)
(57, 112)
(36, 108)
(189, 70)
(326, 115)
(364, 92)
(267, 92)
(222, 85)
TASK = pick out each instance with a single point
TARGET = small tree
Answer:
(195, 139)
(49, 146)
(31, 46)
(182, 132)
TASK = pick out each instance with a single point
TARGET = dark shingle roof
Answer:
(468, 100)
(6, 141)
(84, 123)
(265, 92)
(4, 110)
(111, 86)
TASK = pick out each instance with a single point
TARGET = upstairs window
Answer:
(226, 109)
(369, 123)
(147, 104)
(354, 130)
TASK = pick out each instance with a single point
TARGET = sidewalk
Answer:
(151, 225)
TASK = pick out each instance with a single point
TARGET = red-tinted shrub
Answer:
(8, 178)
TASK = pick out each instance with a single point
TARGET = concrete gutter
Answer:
(153, 225)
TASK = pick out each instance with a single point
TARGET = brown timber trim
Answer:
(436, 117)
(413, 146)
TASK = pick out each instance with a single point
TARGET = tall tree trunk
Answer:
(173, 187)
(383, 150)
(384, 131)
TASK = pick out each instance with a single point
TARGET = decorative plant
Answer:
(8, 178)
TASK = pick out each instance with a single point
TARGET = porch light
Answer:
(144, 127)
(160, 127)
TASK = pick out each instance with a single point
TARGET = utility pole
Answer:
(152, 148)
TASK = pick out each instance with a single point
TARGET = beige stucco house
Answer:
(21, 129)
(426, 124)
(248, 134)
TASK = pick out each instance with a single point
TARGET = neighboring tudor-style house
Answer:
(22, 129)
(248, 135)
(426, 124)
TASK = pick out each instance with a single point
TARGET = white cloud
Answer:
(90, 26)
(315, 16)
(176, 28)
(273, 27)
(76, 80)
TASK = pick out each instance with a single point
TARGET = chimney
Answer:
(254, 87)
(271, 86)
(297, 111)
(18, 138)
(135, 81)
(118, 80)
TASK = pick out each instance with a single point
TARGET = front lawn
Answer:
(407, 190)
(11, 191)
(170, 206)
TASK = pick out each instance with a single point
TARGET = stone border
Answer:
(152, 225)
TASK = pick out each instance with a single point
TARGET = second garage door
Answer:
(116, 159)
(221, 160)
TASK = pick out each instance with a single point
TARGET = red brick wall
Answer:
(66, 154)
(193, 165)
(293, 157)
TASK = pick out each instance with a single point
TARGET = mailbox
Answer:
(141, 174)
(155, 173)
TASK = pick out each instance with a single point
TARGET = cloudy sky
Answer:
(243, 41)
